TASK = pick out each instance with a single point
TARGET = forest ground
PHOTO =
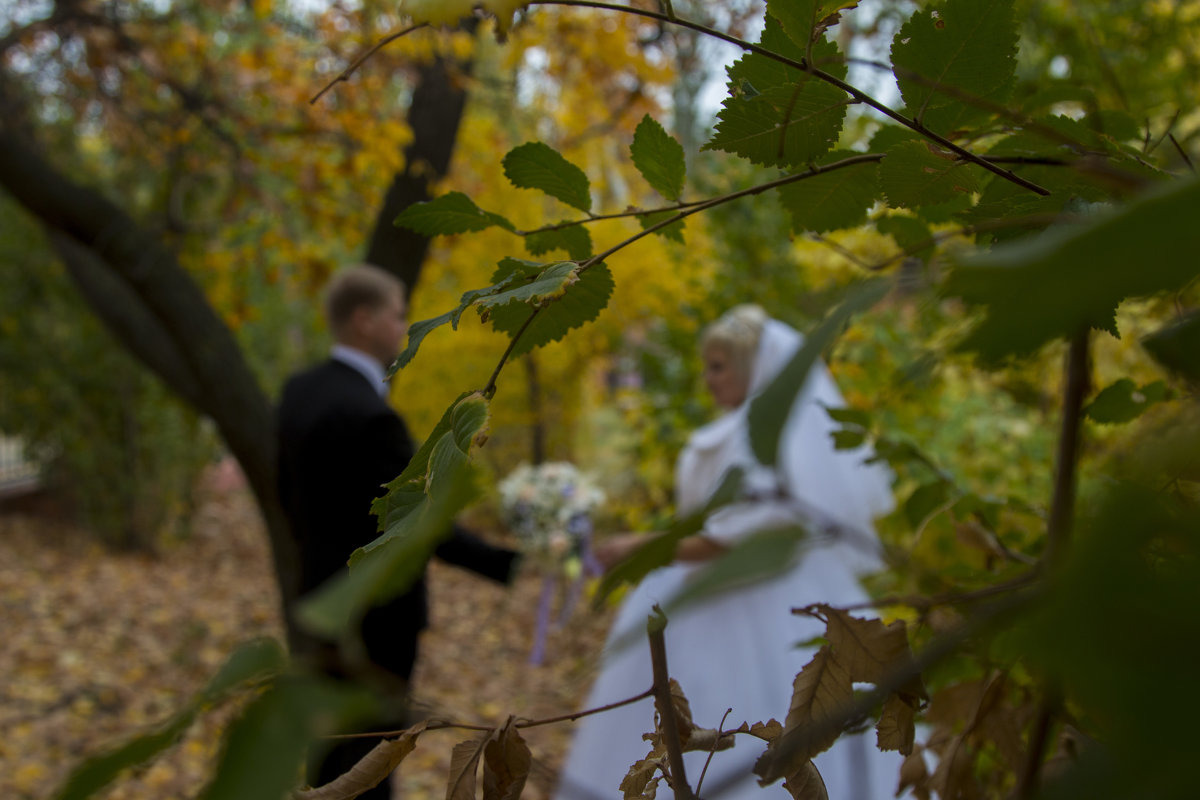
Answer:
(97, 647)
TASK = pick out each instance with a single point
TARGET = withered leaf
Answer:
(640, 781)
(870, 650)
(371, 770)
(807, 784)
(683, 712)
(506, 764)
(707, 740)
(768, 731)
(820, 695)
(464, 762)
(896, 729)
(954, 776)
(914, 773)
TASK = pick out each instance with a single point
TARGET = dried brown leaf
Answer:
(371, 770)
(683, 713)
(820, 694)
(954, 776)
(870, 650)
(706, 740)
(914, 773)
(807, 784)
(897, 727)
(464, 763)
(506, 764)
(768, 731)
(640, 781)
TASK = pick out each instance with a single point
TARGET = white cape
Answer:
(737, 650)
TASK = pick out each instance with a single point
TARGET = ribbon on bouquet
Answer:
(589, 567)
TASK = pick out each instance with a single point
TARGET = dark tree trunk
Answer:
(437, 107)
(159, 314)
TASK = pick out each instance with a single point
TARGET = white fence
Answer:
(17, 473)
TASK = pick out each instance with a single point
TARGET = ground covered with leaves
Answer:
(98, 647)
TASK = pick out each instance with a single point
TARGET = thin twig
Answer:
(1062, 505)
(712, 750)
(444, 724)
(949, 599)
(666, 709)
(358, 62)
(1182, 153)
(854, 92)
(1048, 709)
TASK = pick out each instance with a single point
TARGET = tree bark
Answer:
(438, 102)
(151, 304)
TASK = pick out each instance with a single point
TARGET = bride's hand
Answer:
(612, 550)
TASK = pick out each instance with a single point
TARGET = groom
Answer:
(339, 443)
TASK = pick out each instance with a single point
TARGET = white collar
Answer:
(364, 364)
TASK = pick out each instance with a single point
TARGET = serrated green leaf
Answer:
(266, 745)
(582, 297)
(1067, 280)
(574, 240)
(448, 214)
(529, 283)
(962, 49)
(770, 409)
(251, 662)
(754, 73)
(536, 165)
(924, 500)
(659, 158)
(674, 231)
(790, 125)
(914, 174)
(986, 509)
(1177, 346)
(831, 200)
(911, 235)
(888, 136)
(804, 20)
(419, 330)
(1124, 401)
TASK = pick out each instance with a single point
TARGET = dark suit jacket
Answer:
(339, 442)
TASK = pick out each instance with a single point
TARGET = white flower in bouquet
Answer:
(549, 507)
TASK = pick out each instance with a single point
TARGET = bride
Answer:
(738, 649)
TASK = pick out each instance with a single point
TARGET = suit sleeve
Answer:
(466, 550)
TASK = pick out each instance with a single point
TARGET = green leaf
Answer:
(251, 662)
(850, 416)
(1124, 401)
(1072, 278)
(804, 20)
(827, 201)
(915, 174)
(659, 158)
(419, 330)
(1177, 346)
(755, 558)
(674, 231)
(414, 515)
(770, 409)
(911, 235)
(945, 55)
(753, 73)
(574, 240)
(265, 746)
(563, 295)
(659, 550)
(448, 214)
(847, 439)
(792, 123)
(539, 166)
(924, 500)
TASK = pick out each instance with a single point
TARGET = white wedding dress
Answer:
(738, 649)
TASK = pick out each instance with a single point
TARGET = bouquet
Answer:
(549, 507)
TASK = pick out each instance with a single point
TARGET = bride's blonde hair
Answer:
(737, 331)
